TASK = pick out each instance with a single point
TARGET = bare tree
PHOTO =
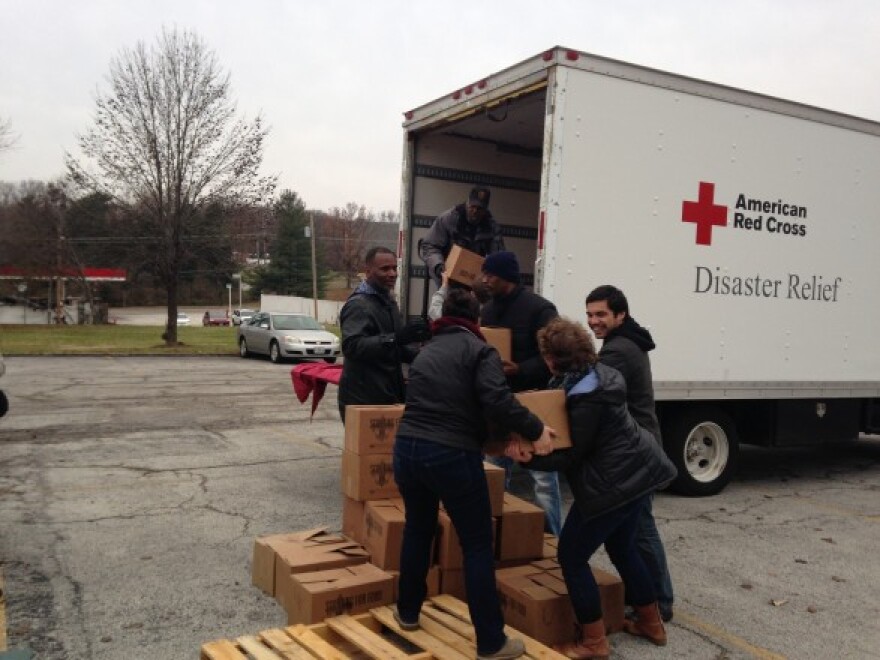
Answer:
(7, 138)
(347, 232)
(166, 142)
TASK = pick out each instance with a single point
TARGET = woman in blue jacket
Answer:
(612, 468)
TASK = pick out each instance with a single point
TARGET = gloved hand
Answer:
(413, 331)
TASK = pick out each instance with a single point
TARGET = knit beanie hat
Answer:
(503, 265)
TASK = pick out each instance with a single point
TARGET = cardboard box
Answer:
(500, 338)
(521, 533)
(463, 265)
(551, 545)
(371, 429)
(452, 583)
(263, 565)
(368, 476)
(549, 407)
(449, 554)
(383, 532)
(432, 581)
(534, 599)
(314, 550)
(495, 478)
(351, 590)
(353, 519)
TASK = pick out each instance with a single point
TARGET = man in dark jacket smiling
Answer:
(375, 341)
(625, 347)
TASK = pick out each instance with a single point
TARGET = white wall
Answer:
(328, 310)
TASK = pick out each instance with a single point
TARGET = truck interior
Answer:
(499, 146)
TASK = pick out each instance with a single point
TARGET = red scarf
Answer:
(453, 321)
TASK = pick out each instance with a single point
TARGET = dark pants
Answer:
(580, 538)
(654, 555)
(428, 473)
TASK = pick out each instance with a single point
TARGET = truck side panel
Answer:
(776, 290)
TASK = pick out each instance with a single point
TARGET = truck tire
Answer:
(4, 403)
(242, 348)
(702, 443)
(275, 352)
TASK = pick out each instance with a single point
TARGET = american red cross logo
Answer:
(705, 213)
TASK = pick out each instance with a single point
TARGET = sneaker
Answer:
(513, 648)
(409, 627)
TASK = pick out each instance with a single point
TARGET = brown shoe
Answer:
(648, 624)
(593, 644)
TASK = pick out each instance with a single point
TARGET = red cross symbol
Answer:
(704, 213)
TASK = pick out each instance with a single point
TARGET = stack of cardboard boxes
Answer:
(315, 574)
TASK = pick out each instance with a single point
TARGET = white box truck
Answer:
(744, 230)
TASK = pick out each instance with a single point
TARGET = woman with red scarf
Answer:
(456, 388)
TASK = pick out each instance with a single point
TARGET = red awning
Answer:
(89, 274)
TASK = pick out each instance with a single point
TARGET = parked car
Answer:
(285, 335)
(215, 318)
(242, 315)
(182, 319)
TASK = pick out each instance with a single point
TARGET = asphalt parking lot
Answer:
(131, 490)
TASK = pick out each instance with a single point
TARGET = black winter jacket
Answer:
(371, 372)
(613, 460)
(456, 385)
(524, 313)
(626, 349)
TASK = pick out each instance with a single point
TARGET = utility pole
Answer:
(237, 276)
(314, 263)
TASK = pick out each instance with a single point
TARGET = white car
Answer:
(284, 335)
(242, 315)
(182, 319)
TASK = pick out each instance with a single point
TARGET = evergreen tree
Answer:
(289, 271)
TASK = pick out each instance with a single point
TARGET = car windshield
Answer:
(296, 323)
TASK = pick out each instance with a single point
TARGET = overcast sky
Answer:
(333, 77)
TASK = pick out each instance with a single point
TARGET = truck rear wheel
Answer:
(702, 443)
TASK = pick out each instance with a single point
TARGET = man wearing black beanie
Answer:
(524, 313)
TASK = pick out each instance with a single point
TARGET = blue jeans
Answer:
(547, 494)
(651, 549)
(580, 538)
(428, 473)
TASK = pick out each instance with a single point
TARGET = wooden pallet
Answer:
(445, 634)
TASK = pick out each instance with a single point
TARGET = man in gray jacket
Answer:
(625, 347)
(469, 225)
